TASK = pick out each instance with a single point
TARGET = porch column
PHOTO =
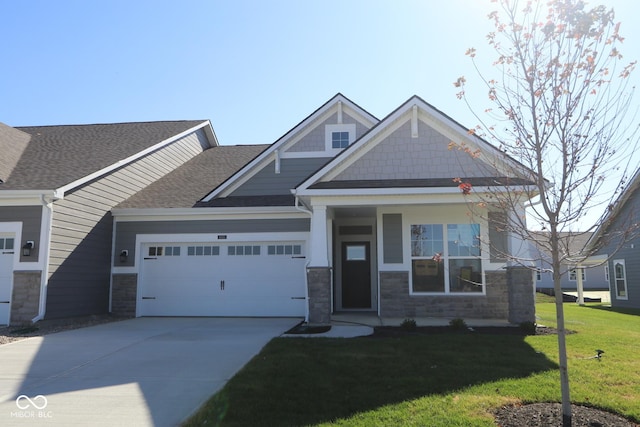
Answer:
(318, 271)
(319, 249)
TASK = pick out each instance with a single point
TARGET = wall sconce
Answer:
(26, 249)
(124, 255)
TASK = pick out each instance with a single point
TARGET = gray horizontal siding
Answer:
(292, 172)
(497, 236)
(392, 238)
(81, 235)
(31, 217)
(126, 231)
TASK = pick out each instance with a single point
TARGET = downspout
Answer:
(45, 248)
(306, 265)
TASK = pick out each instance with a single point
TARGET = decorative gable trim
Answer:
(336, 105)
(412, 111)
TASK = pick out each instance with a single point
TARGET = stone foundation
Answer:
(25, 299)
(319, 283)
(395, 300)
(124, 294)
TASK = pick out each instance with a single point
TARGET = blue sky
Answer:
(254, 68)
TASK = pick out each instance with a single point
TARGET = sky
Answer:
(254, 68)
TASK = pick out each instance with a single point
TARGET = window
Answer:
(454, 268)
(339, 139)
(339, 136)
(243, 250)
(284, 250)
(164, 250)
(6, 243)
(606, 273)
(620, 275)
(573, 276)
(538, 274)
(203, 250)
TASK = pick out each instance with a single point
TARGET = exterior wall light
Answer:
(124, 255)
(26, 249)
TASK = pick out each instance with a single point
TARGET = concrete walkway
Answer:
(138, 372)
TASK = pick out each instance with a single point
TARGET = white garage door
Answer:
(7, 252)
(231, 279)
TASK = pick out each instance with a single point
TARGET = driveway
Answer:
(138, 372)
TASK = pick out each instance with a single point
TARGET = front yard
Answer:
(436, 380)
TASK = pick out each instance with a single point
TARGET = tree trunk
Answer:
(562, 346)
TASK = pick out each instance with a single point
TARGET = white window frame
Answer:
(623, 278)
(538, 274)
(573, 277)
(446, 258)
(330, 129)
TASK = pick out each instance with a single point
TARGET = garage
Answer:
(222, 279)
(7, 251)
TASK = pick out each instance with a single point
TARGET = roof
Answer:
(572, 243)
(187, 184)
(414, 183)
(13, 142)
(58, 155)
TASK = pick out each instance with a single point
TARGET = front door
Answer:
(356, 275)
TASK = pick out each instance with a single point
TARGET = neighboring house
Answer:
(594, 277)
(344, 212)
(617, 239)
(58, 185)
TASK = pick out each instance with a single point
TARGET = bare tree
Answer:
(558, 106)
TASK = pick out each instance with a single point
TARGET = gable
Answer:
(427, 156)
(411, 148)
(298, 153)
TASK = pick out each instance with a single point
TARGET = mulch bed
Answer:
(397, 331)
(550, 414)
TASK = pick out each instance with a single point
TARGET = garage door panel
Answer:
(234, 279)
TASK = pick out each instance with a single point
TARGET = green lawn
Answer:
(435, 380)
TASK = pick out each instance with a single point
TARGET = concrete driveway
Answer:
(138, 372)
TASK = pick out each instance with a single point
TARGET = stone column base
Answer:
(319, 284)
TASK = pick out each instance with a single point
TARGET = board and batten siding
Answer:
(126, 232)
(267, 182)
(30, 217)
(81, 233)
(392, 238)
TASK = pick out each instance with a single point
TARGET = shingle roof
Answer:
(249, 201)
(12, 144)
(186, 185)
(58, 155)
(417, 183)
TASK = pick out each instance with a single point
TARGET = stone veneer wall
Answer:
(25, 299)
(319, 284)
(124, 292)
(395, 300)
(522, 306)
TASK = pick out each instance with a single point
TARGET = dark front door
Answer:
(356, 275)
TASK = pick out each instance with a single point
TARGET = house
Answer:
(617, 239)
(594, 277)
(344, 212)
(58, 185)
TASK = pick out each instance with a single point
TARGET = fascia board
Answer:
(137, 156)
(285, 141)
(405, 191)
(27, 197)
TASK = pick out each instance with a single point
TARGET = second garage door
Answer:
(213, 279)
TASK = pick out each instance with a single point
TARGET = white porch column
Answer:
(319, 242)
(579, 270)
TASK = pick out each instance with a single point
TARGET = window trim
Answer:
(624, 279)
(343, 127)
(446, 259)
(572, 272)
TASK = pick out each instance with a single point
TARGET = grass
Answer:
(436, 380)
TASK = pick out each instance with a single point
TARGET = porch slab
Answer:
(372, 320)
